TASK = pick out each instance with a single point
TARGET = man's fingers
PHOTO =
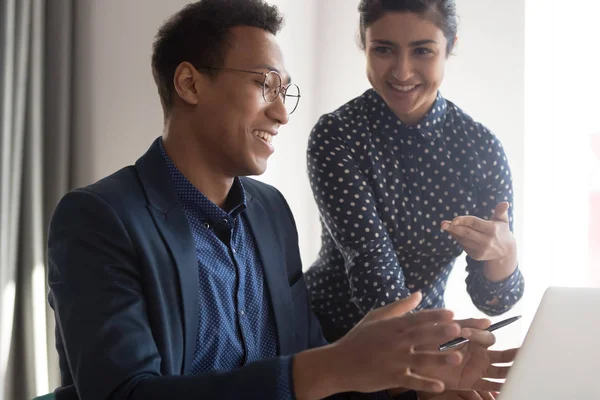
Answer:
(416, 319)
(421, 383)
(486, 395)
(487, 386)
(396, 309)
(494, 372)
(419, 360)
(432, 333)
(502, 356)
(479, 337)
(469, 395)
(475, 323)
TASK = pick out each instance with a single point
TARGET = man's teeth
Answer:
(403, 88)
(266, 136)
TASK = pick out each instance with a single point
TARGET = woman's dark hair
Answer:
(198, 34)
(441, 12)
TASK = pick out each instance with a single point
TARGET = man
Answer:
(176, 278)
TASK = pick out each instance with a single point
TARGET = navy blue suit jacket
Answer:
(123, 286)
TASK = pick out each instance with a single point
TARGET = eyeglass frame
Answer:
(282, 89)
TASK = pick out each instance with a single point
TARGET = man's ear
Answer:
(187, 83)
(453, 46)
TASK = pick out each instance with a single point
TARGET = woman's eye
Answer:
(383, 50)
(423, 51)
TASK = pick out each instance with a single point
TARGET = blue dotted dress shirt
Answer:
(236, 325)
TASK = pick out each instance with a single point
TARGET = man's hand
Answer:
(477, 364)
(381, 353)
(459, 395)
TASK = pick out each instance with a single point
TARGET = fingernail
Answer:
(466, 333)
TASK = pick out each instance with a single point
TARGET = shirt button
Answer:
(225, 221)
(233, 251)
(411, 156)
(242, 313)
(207, 225)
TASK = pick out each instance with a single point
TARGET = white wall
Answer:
(118, 112)
(561, 102)
(117, 108)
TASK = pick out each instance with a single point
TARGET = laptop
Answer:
(560, 357)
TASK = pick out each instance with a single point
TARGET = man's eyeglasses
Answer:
(272, 87)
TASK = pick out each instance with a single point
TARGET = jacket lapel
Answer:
(275, 272)
(174, 228)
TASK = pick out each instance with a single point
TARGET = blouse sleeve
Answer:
(347, 207)
(493, 298)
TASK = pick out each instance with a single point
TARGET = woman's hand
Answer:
(490, 241)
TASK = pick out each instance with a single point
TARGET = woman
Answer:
(405, 181)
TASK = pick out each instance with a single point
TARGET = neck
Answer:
(417, 116)
(189, 157)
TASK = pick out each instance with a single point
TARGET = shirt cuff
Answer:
(499, 288)
(483, 291)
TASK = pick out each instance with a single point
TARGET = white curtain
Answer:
(35, 75)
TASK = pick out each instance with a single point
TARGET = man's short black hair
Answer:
(198, 34)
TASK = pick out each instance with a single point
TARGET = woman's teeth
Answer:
(266, 136)
(403, 88)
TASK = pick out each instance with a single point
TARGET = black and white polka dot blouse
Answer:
(382, 189)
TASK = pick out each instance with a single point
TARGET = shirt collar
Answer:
(430, 126)
(195, 202)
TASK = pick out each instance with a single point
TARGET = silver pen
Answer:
(461, 340)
